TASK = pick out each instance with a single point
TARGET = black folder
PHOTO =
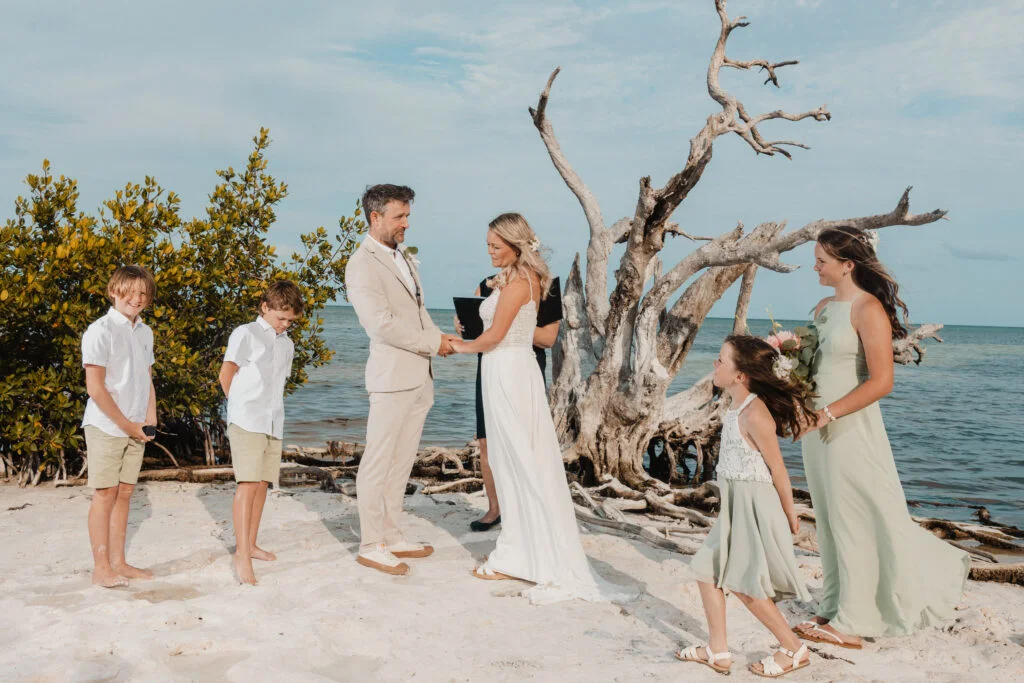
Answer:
(468, 310)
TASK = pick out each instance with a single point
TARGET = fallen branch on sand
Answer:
(1001, 573)
(466, 485)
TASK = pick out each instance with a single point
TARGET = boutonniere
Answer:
(410, 256)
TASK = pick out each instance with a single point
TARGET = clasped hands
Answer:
(448, 345)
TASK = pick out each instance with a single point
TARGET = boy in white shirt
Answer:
(120, 417)
(257, 364)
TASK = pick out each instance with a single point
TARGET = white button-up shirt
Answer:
(400, 261)
(125, 349)
(264, 360)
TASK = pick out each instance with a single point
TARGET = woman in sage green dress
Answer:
(884, 575)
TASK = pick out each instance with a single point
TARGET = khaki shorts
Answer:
(112, 459)
(254, 456)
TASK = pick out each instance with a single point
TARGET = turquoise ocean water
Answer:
(956, 422)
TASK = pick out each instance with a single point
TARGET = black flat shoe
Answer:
(477, 525)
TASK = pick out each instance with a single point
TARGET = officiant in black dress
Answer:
(549, 316)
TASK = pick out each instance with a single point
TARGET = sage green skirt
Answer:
(749, 550)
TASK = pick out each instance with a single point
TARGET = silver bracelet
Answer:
(829, 415)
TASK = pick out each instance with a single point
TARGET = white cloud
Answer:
(436, 95)
(973, 54)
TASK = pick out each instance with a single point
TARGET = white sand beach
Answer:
(318, 616)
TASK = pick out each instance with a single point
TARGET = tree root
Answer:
(609, 519)
(663, 507)
(959, 531)
(1000, 573)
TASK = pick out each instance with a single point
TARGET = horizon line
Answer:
(335, 304)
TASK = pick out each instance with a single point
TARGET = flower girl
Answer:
(749, 551)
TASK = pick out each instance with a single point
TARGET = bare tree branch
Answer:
(601, 238)
(898, 216)
(905, 349)
(765, 66)
(620, 229)
(674, 229)
(729, 250)
(739, 325)
(573, 357)
(734, 117)
(591, 208)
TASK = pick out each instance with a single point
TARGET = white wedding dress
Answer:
(539, 539)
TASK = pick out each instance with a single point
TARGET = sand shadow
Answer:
(157, 592)
(217, 499)
(140, 509)
(454, 520)
(662, 614)
(658, 614)
(344, 525)
(191, 562)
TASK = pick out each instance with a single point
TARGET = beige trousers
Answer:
(393, 431)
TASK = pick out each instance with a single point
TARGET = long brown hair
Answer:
(852, 244)
(788, 401)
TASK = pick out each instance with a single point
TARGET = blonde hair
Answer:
(513, 229)
(121, 282)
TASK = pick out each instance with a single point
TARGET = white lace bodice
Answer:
(737, 459)
(520, 335)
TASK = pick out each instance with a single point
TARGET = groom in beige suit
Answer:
(384, 287)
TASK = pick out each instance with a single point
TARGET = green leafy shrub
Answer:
(210, 273)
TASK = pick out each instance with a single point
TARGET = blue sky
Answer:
(434, 95)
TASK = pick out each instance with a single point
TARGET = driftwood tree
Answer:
(619, 352)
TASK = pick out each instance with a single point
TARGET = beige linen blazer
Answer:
(402, 335)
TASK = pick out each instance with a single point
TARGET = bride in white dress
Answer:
(539, 540)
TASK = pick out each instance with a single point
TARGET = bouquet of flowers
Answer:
(796, 349)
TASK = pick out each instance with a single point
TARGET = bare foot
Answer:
(108, 578)
(261, 554)
(130, 572)
(489, 518)
(243, 568)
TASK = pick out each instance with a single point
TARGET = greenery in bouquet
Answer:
(796, 348)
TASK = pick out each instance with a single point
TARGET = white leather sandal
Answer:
(690, 655)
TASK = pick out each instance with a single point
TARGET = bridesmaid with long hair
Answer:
(884, 575)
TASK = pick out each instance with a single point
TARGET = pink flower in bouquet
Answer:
(780, 338)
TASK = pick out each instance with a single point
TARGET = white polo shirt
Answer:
(264, 360)
(125, 349)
